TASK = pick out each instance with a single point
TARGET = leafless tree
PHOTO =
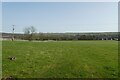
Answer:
(29, 31)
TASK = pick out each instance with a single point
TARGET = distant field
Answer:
(64, 59)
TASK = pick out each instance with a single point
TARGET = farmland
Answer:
(60, 59)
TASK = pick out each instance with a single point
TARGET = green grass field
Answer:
(0, 59)
(64, 59)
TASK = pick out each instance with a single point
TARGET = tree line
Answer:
(66, 36)
(31, 34)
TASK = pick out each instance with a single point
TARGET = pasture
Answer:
(62, 59)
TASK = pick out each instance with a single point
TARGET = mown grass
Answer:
(0, 59)
(64, 59)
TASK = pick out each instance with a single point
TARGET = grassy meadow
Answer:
(62, 59)
(0, 59)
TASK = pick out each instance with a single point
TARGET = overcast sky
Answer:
(61, 16)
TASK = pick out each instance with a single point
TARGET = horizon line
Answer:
(67, 32)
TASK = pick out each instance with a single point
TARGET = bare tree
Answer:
(29, 31)
(32, 29)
